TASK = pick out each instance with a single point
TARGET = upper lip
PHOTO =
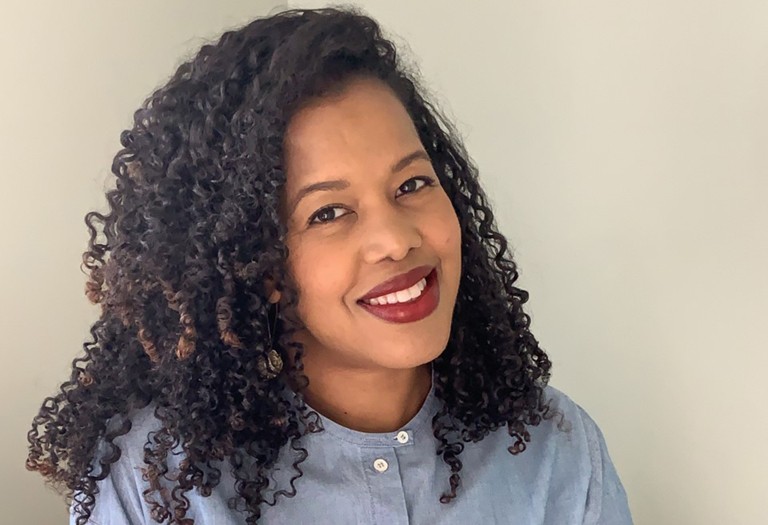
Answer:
(399, 282)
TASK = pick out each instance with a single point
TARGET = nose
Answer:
(391, 234)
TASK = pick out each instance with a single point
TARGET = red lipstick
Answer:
(410, 311)
(399, 282)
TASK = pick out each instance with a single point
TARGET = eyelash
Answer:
(428, 182)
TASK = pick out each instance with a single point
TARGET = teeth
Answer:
(401, 296)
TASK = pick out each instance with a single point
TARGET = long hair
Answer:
(179, 260)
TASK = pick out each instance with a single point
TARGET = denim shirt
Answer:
(563, 477)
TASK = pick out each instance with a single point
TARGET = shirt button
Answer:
(381, 465)
(402, 436)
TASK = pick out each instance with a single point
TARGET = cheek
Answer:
(446, 231)
(320, 276)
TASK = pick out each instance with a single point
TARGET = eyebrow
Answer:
(340, 184)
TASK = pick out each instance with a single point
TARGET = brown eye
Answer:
(413, 184)
(324, 215)
(327, 215)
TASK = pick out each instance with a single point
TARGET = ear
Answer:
(272, 294)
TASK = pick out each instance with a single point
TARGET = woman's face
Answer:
(383, 218)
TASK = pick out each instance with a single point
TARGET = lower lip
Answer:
(412, 311)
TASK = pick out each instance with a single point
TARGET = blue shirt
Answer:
(396, 478)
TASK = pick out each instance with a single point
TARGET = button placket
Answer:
(385, 485)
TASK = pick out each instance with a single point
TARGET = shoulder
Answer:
(121, 496)
(567, 414)
(142, 422)
(120, 492)
(576, 448)
(568, 430)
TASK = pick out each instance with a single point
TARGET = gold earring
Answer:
(270, 367)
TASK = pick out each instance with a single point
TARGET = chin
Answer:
(410, 356)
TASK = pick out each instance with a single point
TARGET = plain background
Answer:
(623, 144)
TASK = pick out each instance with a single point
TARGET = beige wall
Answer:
(72, 75)
(625, 145)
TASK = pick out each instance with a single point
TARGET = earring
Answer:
(270, 367)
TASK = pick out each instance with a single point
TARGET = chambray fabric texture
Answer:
(563, 477)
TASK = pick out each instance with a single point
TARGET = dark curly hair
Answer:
(178, 266)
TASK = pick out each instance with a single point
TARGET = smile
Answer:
(408, 305)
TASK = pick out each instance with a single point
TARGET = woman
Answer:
(308, 314)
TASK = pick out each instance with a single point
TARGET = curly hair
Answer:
(179, 261)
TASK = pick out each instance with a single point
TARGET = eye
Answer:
(412, 183)
(324, 215)
(327, 215)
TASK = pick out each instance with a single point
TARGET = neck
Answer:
(367, 400)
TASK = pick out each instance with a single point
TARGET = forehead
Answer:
(365, 125)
